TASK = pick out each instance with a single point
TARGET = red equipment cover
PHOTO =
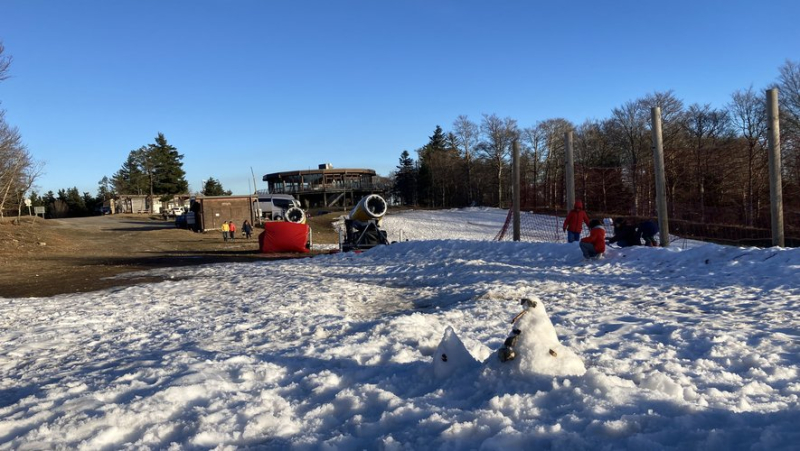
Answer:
(283, 237)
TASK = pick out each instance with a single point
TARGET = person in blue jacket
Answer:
(648, 230)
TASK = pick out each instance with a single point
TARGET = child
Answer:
(594, 245)
(225, 230)
(573, 225)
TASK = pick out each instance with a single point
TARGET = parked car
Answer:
(273, 206)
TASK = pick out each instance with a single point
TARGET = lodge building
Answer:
(326, 187)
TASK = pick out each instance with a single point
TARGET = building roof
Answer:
(234, 196)
(279, 175)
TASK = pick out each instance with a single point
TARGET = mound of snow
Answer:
(452, 356)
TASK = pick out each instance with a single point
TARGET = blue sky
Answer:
(277, 86)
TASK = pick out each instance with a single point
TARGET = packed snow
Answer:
(398, 348)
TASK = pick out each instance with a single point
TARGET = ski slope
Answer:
(692, 348)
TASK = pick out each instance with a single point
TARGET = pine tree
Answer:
(405, 183)
(438, 170)
(428, 173)
(49, 203)
(169, 177)
(129, 179)
(213, 187)
(73, 204)
(146, 163)
(159, 163)
(105, 189)
(36, 199)
(155, 169)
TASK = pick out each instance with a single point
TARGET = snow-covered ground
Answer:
(671, 348)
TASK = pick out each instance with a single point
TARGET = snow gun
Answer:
(362, 228)
(369, 208)
(295, 215)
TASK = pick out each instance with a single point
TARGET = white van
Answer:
(273, 206)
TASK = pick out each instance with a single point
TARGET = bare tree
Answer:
(704, 127)
(27, 179)
(18, 171)
(672, 113)
(5, 63)
(552, 131)
(534, 146)
(467, 135)
(789, 87)
(599, 166)
(630, 120)
(498, 135)
(749, 116)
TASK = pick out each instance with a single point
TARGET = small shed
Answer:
(212, 211)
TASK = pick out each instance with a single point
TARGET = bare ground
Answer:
(47, 257)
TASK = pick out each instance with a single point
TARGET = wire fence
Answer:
(546, 225)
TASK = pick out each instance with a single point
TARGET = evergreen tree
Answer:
(155, 169)
(144, 159)
(36, 199)
(71, 203)
(49, 204)
(105, 189)
(92, 203)
(157, 166)
(428, 170)
(213, 187)
(405, 182)
(129, 179)
(438, 140)
(169, 177)
(438, 172)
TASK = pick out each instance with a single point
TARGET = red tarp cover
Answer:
(283, 237)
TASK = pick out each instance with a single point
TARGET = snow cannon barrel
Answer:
(371, 207)
(295, 215)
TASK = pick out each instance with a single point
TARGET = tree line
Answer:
(154, 170)
(715, 159)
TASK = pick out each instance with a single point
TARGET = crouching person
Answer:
(594, 245)
(648, 229)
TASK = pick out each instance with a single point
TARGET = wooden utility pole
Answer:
(516, 188)
(661, 179)
(775, 188)
(570, 170)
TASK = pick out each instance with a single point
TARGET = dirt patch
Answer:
(47, 257)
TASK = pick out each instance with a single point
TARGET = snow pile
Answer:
(682, 349)
(452, 357)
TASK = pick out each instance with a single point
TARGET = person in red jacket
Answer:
(573, 225)
(594, 245)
